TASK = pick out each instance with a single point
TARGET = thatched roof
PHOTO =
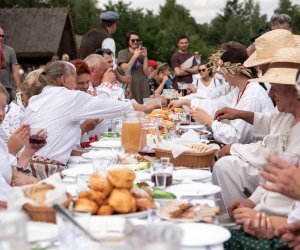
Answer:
(38, 32)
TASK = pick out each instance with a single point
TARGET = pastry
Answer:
(122, 201)
(121, 177)
(142, 204)
(105, 210)
(95, 196)
(100, 183)
(85, 205)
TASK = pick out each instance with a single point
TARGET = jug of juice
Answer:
(131, 131)
(150, 133)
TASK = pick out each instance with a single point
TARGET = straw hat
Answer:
(268, 43)
(283, 67)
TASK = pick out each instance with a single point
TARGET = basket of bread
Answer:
(199, 156)
(39, 209)
(113, 194)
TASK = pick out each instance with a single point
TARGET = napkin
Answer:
(191, 135)
(16, 196)
(176, 148)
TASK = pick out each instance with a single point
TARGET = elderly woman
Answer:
(247, 95)
(14, 116)
(60, 109)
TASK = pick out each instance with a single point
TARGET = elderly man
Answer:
(100, 37)
(238, 174)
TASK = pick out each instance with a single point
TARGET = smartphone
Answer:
(140, 44)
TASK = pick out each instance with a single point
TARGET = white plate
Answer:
(39, 231)
(194, 189)
(137, 215)
(98, 154)
(79, 169)
(107, 144)
(202, 234)
(77, 160)
(192, 126)
(191, 174)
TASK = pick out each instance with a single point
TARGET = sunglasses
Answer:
(202, 70)
(135, 40)
(1, 35)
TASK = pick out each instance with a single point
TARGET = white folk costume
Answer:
(241, 169)
(252, 98)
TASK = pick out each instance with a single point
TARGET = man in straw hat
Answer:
(238, 174)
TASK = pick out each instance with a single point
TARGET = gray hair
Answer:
(281, 19)
(54, 70)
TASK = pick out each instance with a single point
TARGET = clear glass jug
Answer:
(131, 131)
(150, 133)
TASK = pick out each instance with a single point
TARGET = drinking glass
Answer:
(158, 175)
(38, 137)
(101, 165)
(153, 214)
(13, 231)
(159, 236)
(83, 182)
(70, 237)
(152, 100)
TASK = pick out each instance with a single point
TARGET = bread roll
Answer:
(142, 204)
(100, 183)
(122, 201)
(38, 192)
(105, 210)
(85, 205)
(95, 196)
(121, 177)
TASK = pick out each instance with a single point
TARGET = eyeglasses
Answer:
(5, 108)
(135, 40)
(202, 70)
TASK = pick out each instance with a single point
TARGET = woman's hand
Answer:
(241, 215)
(290, 234)
(18, 139)
(201, 116)
(178, 103)
(261, 227)
(19, 179)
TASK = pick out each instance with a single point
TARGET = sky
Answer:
(202, 10)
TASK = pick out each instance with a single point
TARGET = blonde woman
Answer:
(60, 109)
(30, 87)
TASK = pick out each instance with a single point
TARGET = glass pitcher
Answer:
(131, 131)
(150, 133)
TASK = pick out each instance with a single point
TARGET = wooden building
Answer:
(37, 34)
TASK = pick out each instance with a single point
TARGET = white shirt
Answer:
(12, 120)
(279, 136)
(109, 43)
(255, 99)
(5, 170)
(61, 111)
(294, 215)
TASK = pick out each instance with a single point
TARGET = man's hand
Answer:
(284, 177)
(226, 113)
(225, 150)
(241, 214)
(191, 89)
(201, 116)
(290, 234)
(18, 139)
(109, 76)
(239, 204)
(137, 53)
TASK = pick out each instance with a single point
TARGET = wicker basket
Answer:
(188, 159)
(44, 213)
